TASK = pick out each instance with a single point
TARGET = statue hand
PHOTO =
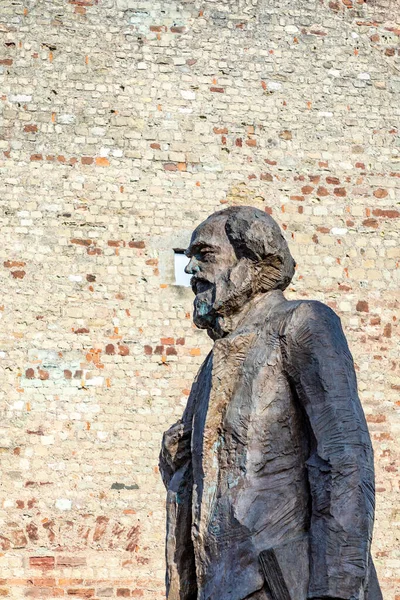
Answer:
(176, 444)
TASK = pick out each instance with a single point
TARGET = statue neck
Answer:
(228, 324)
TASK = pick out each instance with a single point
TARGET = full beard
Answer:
(217, 302)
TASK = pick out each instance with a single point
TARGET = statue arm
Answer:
(340, 465)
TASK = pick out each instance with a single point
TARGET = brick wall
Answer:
(123, 124)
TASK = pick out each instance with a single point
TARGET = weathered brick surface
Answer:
(123, 123)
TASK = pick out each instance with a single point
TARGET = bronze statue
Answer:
(269, 472)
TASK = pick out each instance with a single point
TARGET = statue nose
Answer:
(192, 267)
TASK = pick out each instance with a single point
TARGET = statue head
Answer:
(235, 254)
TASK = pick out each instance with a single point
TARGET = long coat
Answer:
(272, 453)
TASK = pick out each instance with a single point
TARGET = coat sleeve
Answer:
(340, 468)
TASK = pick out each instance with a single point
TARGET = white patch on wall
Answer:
(20, 98)
(66, 119)
(96, 381)
(63, 504)
(188, 94)
(181, 278)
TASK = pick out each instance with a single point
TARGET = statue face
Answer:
(212, 264)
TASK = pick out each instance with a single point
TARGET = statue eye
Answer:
(206, 254)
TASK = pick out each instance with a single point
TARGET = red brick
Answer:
(387, 331)
(170, 167)
(87, 160)
(32, 531)
(251, 142)
(171, 351)
(44, 581)
(341, 192)
(376, 418)
(81, 592)
(266, 177)
(322, 191)
(13, 263)
(362, 306)
(18, 274)
(30, 374)
(388, 214)
(380, 193)
(36, 157)
(375, 321)
(101, 161)
(218, 90)
(155, 146)
(371, 223)
(45, 563)
(168, 341)
(123, 350)
(220, 130)
(180, 341)
(307, 189)
(139, 245)
(82, 330)
(158, 28)
(332, 180)
(123, 593)
(30, 128)
(175, 29)
(110, 349)
(7, 62)
(81, 242)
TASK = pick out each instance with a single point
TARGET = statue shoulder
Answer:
(308, 317)
(312, 311)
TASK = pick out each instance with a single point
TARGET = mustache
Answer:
(199, 284)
